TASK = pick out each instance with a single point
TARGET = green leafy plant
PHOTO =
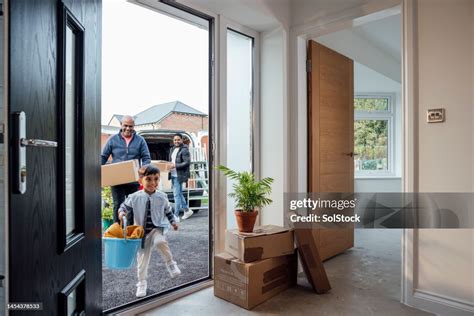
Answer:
(249, 194)
(107, 204)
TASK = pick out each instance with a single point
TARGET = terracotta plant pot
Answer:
(246, 220)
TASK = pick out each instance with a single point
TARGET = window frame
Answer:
(68, 21)
(389, 116)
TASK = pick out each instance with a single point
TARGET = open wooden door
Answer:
(330, 136)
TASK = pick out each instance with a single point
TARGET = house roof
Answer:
(118, 116)
(158, 112)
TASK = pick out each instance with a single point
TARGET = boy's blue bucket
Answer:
(120, 253)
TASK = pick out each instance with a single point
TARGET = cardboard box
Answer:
(120, 172)
(163, 165)
(249, 284)
(165, 184)
(311, 260)
(265, 242)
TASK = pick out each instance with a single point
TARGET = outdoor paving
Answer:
(189, 245)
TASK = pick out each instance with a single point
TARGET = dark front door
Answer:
(54, 134)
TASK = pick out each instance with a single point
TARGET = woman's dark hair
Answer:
(148, 170)
(179, 135)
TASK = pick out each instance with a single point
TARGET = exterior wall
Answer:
(144, 127)
(103, 139)
(115, 122)
(186, 122)
(205, 144)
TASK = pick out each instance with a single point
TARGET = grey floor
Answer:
(190, 248)
(365, 281)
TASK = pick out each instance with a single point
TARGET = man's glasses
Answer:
(130, 126)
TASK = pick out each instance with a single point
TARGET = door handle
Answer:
(38, 143)
(352, 154)
(20, 142)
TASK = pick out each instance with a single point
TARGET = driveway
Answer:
(190, 248)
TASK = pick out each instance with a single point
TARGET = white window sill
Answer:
(377, 177)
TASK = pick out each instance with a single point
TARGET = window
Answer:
(240, 68)
(374, 135)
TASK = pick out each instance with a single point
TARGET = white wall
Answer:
(443, 267)
(273, 121)
(445, 80)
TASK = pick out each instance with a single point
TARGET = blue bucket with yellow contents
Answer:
(120, 253)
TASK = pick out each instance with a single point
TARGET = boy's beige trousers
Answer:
(154, 239)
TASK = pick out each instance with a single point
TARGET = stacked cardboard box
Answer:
(256, 266)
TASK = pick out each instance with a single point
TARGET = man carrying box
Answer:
(124, 146)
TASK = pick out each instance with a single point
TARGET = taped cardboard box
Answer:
(163, 165)
(265, 242)
(120, 172)
(165, 183)
(249, 284)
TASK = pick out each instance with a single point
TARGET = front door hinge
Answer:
(308, 65)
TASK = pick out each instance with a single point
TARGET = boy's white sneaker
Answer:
(176, 219)
(141, 289)
(173, 269)
(187, 214)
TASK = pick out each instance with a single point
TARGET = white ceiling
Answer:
(385, 34)
(304, 11)
(374, 44)
(243, 12)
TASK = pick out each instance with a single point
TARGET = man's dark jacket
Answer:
(183, 160)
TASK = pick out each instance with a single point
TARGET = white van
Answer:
(160, 143)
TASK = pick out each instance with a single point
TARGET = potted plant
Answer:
(107, 208)
(250, 195)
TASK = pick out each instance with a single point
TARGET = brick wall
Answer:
(103, 140)
(186, 122)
